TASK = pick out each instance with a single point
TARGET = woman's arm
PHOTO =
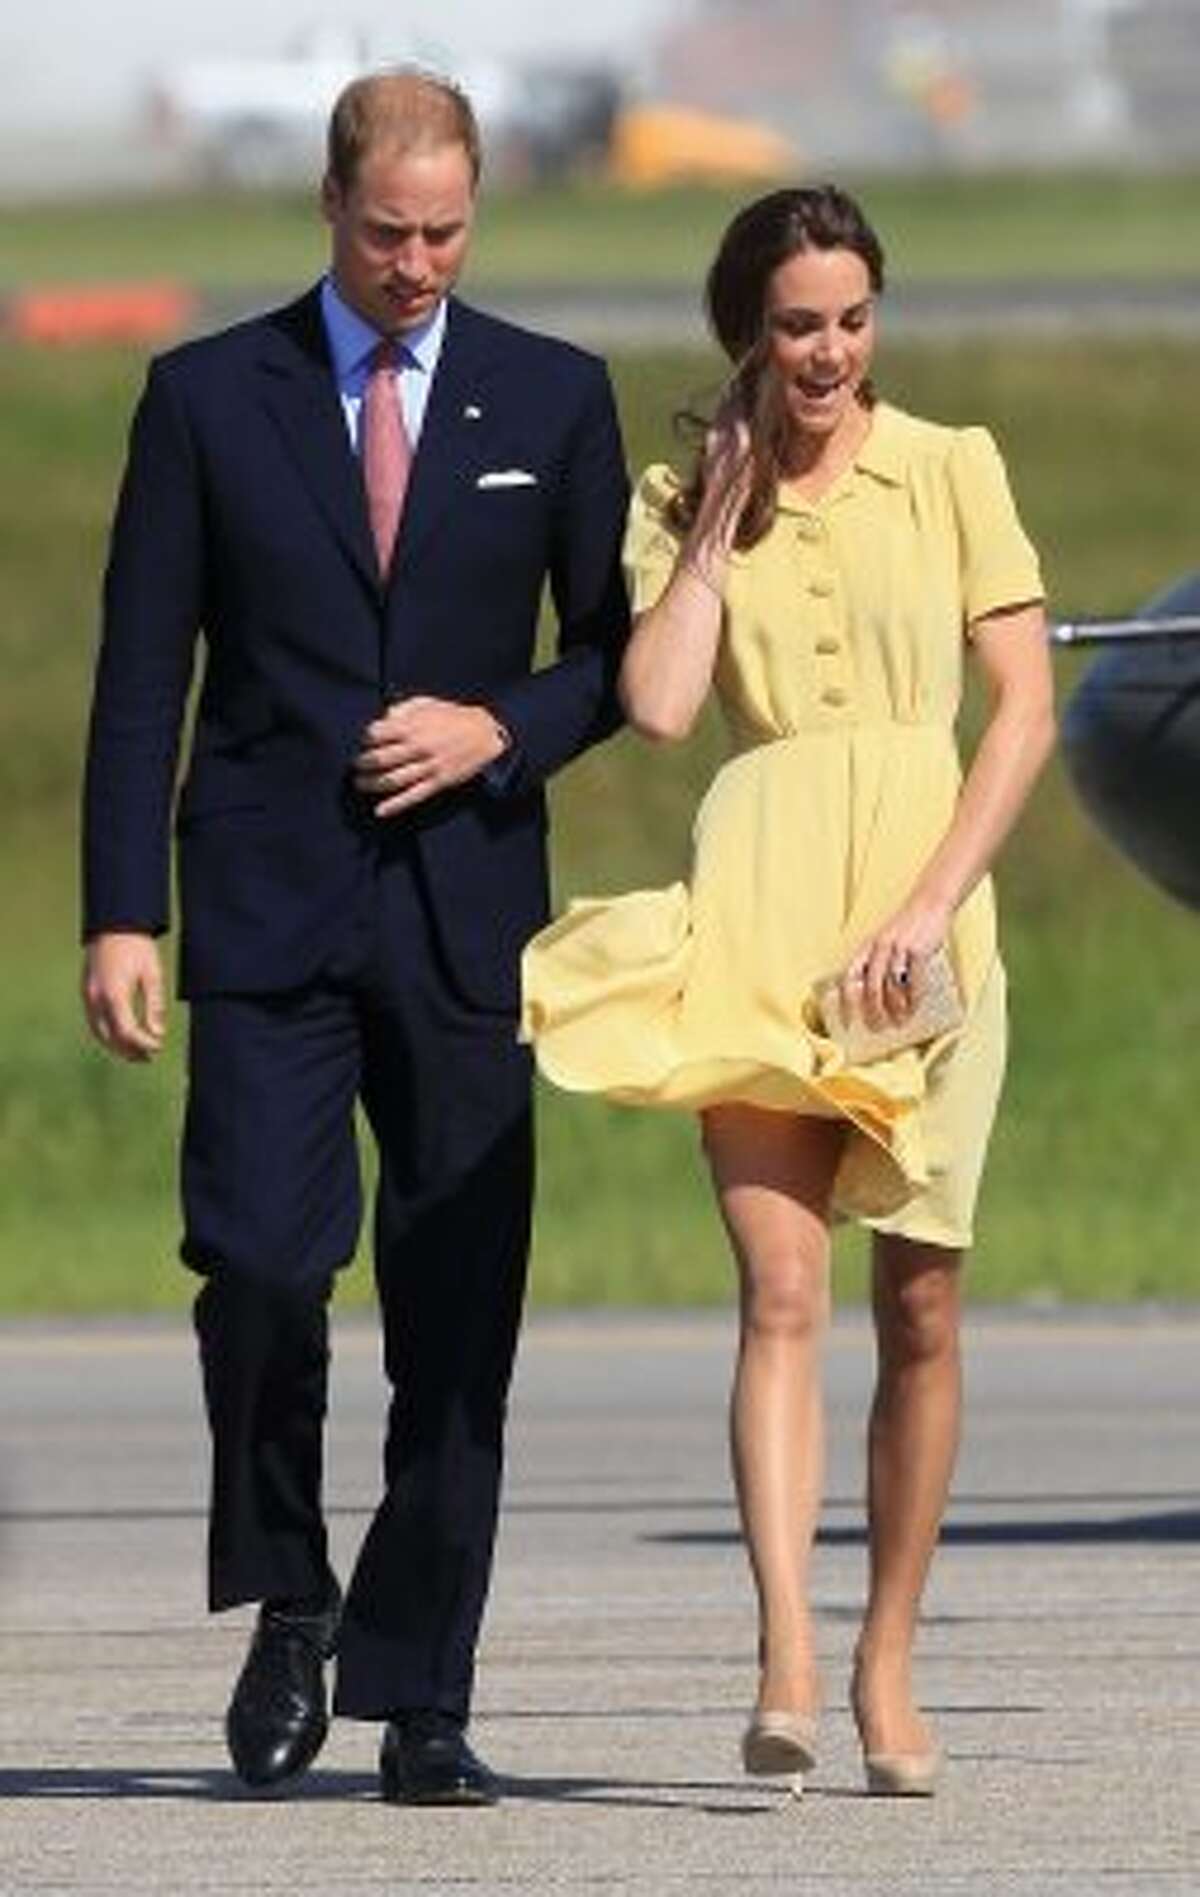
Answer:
(1012, 649)
(668, 664)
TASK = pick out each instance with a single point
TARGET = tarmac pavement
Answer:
(1060, 1655)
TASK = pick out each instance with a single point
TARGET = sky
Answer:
(66, 63)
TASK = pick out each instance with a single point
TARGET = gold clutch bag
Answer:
(938, 1010)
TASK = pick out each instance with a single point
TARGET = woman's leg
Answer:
(773, 1173)
(912, 1442)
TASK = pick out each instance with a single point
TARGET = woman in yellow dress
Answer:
(826, 567)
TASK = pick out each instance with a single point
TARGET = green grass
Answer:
(1127, 225)
(1091, 1190)
(1008, 226)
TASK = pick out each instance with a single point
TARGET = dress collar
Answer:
(880, 453)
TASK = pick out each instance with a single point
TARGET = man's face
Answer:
(400, 232)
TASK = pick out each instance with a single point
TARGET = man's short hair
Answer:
(406, 108)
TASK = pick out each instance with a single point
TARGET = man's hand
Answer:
(123, 995)
(421, 746)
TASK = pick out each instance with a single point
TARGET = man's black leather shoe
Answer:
(425, 1760)
(278, 1716)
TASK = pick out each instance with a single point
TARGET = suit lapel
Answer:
(451, 438)
(300, 393)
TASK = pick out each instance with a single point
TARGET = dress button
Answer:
(808, 527)
(827, 646)
(820, 587)
(834, 695)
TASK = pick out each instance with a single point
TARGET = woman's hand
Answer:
(883, 980)
(727, 474)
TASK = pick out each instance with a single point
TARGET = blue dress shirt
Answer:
(353, 341)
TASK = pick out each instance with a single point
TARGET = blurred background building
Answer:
(965, 82)
(150, 92)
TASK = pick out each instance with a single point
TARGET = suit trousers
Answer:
(272, 1208)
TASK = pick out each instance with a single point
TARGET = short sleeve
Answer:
(651, 543)
(999, 565)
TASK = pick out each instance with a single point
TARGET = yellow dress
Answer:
(839, 673)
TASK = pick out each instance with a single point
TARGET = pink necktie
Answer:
(386, 450)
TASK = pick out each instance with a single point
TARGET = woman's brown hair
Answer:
(761, 237)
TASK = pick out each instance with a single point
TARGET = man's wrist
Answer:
(504, 767)
(500, 732)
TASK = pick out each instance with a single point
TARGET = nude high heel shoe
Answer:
(778, 1743)
(902, 1774)
(896, 1774)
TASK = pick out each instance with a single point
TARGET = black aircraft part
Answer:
(1131, 738)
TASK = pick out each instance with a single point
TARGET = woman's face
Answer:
(821, 337)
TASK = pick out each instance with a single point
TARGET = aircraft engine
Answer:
(1131, 739)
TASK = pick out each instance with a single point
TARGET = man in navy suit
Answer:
(361, 857)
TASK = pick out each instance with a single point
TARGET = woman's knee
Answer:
(785, 1296)
(917, 1307)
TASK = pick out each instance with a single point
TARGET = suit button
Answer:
(835, 696)
(820, 587)
(826, 647)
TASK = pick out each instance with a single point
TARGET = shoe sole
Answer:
(395, 1795)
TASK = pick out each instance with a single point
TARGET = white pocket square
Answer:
(507, 477)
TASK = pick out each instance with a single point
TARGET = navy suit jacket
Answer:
(242, 517)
